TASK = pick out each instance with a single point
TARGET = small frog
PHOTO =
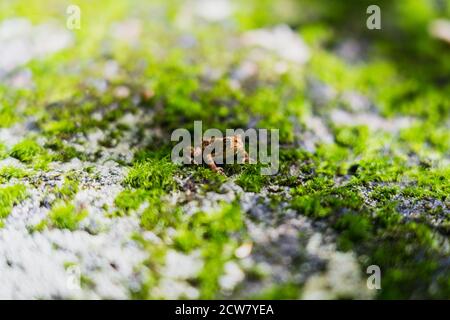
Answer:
(220, 148)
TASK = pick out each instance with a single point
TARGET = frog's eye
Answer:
(231, 142)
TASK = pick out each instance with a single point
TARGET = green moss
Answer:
(9, 197)
(131, 199)
(319, 198)
(287, 291)
(428, 182)
(251, 179)
(179, 86)
(354, 137)
(59, 127)
(409, 257)
(421, 136)
(384, 193)
(26, 150)
(332, 70)
(278, 105)
(66, 216)
(378, 169)
(86, 282)
(207, 179)
(7, 118)
(75, 114)
(39, 227)
(212, 270)
(217, 229)
(258, 14)
(212, 234)
(69, 188)
(3, 153)
(152, 174)
(293, 154)
(159, 215)
(407, 251)
(310, 206)
(9, 172)
(157, 150)
(7, 115)
(353, 228)
(63, 152)
(30, 152)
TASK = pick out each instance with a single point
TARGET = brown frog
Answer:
(220, 148)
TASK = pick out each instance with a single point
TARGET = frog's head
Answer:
(235, 143)
(238, 142)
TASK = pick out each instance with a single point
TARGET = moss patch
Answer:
(66, 216)
(9, 197)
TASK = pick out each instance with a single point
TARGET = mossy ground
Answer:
(381, 191)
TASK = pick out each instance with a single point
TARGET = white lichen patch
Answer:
(372, 120)
(342, 278)
(21, 41)
(182, 266)
(280, 40)
(175, 289)
(34, 264)
(232, 276)
(12, 135)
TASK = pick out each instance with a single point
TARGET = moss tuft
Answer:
(9, 172)
(251, 179)
(152, 174)
(26, 150)
(66, 216)
(129, 200)
(9, 197)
